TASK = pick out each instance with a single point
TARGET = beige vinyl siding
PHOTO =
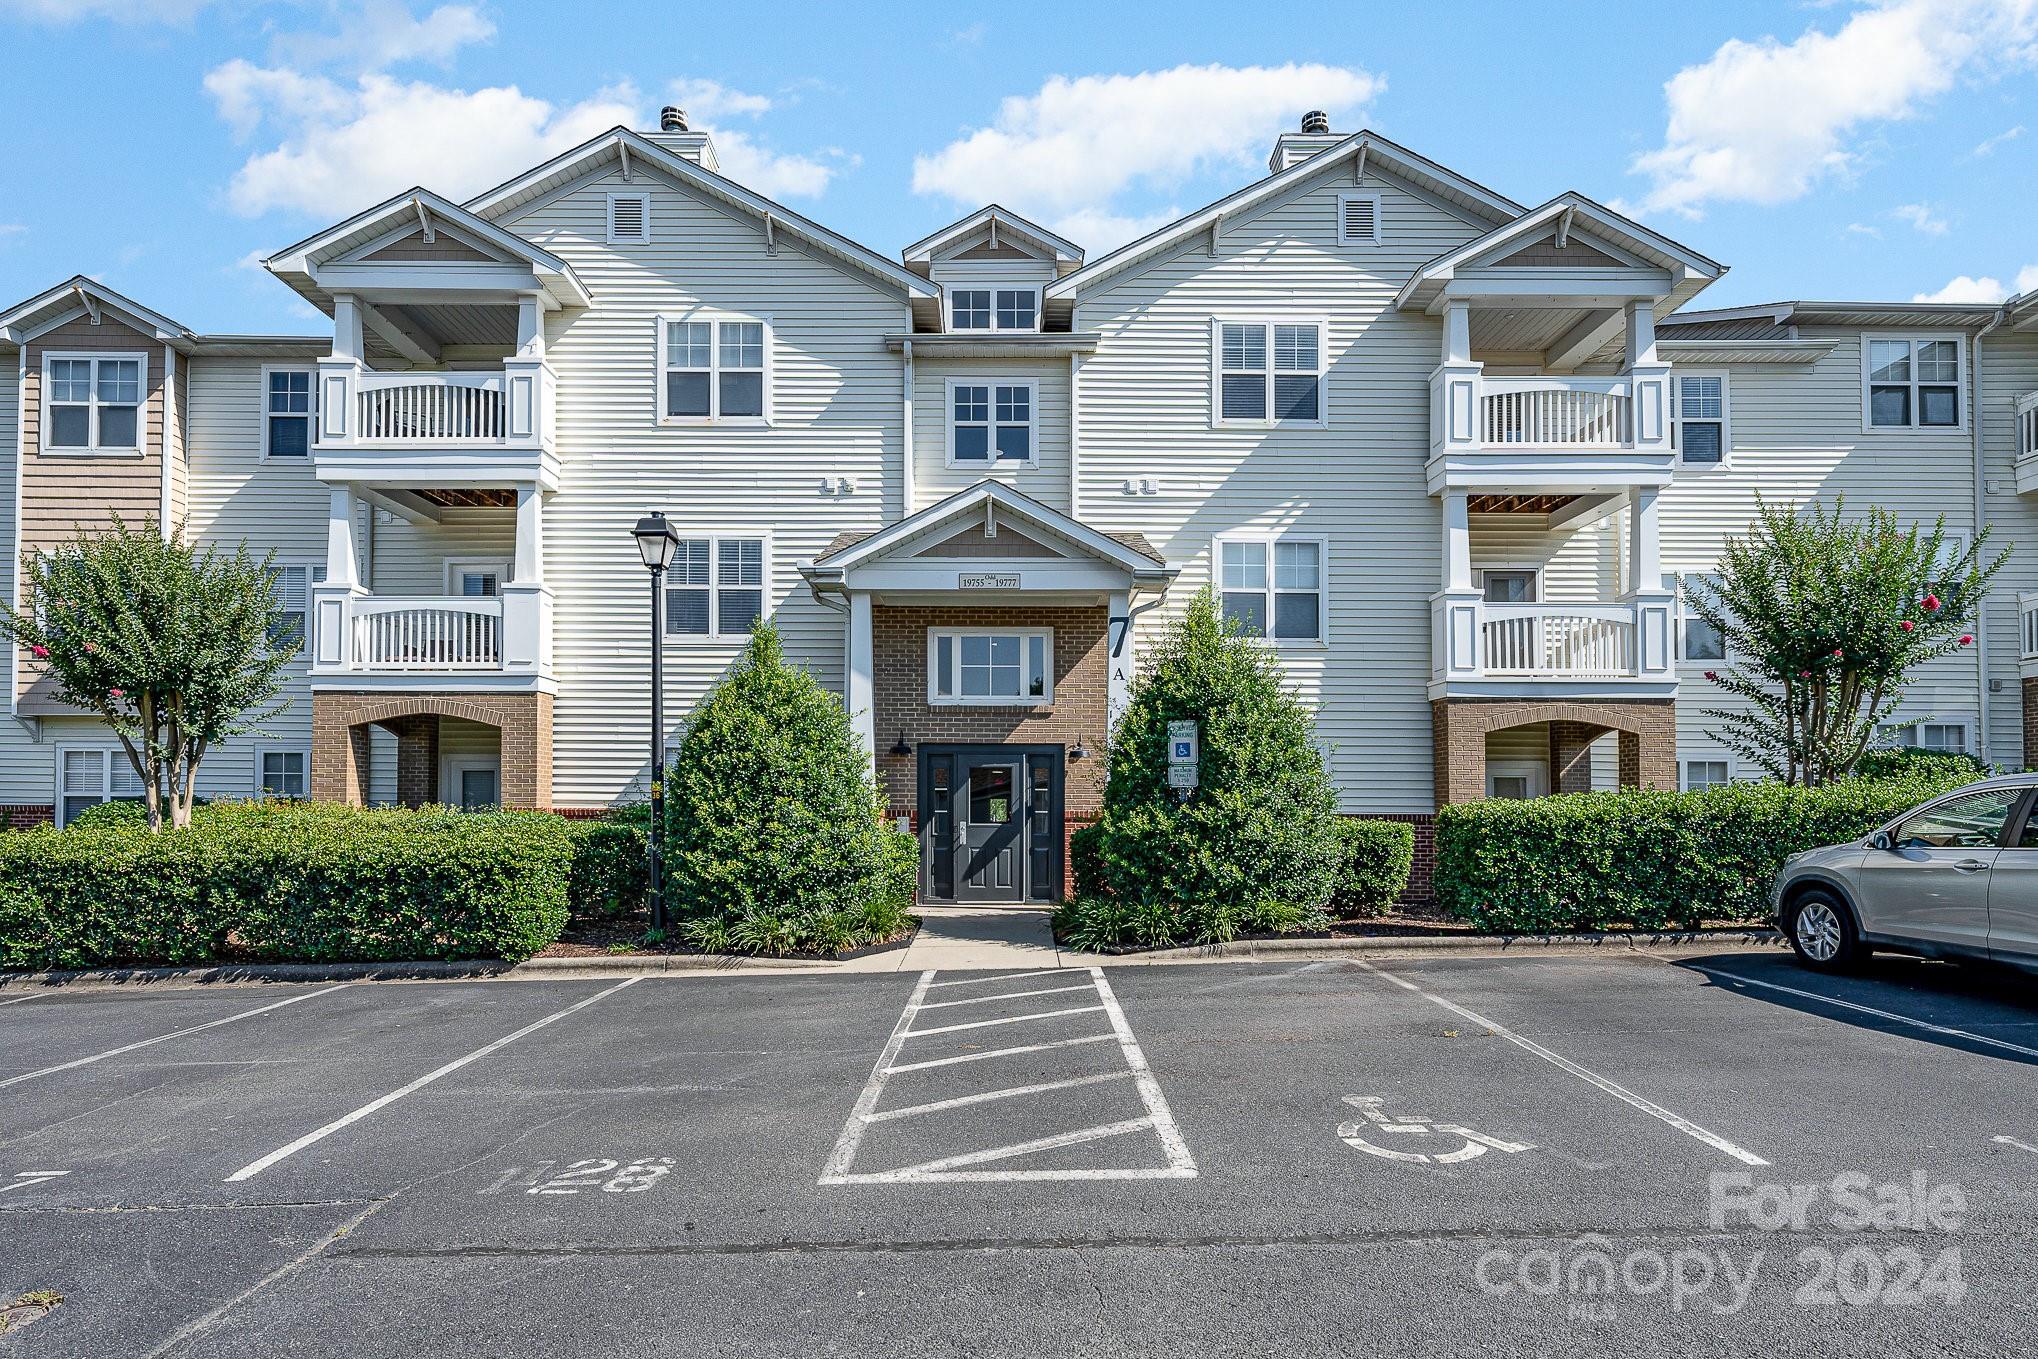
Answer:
(837, 413)
(2009, 369)
(1047, 480)
(1797, 435)
(1145, 400)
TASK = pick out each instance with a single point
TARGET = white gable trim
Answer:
(1631, 237)
(995, 499)
(1005, 221)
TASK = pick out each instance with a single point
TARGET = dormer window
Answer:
(629, 218)
(94, 402)
(993, 309)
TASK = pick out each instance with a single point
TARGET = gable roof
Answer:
(633, 150)
(1787, 316)
(1475, 201)
(82, 296)
(298, 265)
(1129, 551)
(1689, 271)
(999, 219)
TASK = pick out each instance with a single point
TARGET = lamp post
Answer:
(656, 541)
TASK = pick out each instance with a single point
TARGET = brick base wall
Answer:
(339, 742)
(1459, 726)
(27, 815)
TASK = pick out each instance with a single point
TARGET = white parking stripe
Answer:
(1890, 1015)
(866, 1099)
(1008, 1019)
(1006, 995)
(1001, 1052)
(1000, 976)
(1149, 1089)
(972, 1158)
(255, 1168)
(166, 1037)
(1683, 1125)
(915, 1110)
(19, 999)
(2020, 1146)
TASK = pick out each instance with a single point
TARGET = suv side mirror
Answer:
(1880, 840)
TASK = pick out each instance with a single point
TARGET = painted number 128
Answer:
(611, 1177)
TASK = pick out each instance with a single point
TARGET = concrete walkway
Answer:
(965, 938)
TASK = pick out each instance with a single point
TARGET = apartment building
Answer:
(1450, 455)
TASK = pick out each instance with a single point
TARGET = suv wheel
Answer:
(1822, 933)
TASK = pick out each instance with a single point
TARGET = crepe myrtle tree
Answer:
(174, 649)
(1826, 616)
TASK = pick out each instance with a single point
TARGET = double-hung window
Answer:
(1699, 418)
(94, 402)
(715, 586)
(88, 776)
(713, 370)
(1269, 372)
(991, 422)
(1700, 640)
(286, 412)
(1708, 773)
(1273, 586)
(990, 666)
(1944, 737)
(290, 609)
(1913, 382)
(281, 773)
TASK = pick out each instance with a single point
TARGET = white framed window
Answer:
(290, 614)
(1001, 667)
(629, 219)
(1268, 372)
(993, 308)
(90, 775)
(715, 587)
(1706, 771)
(468, 578)
(1700, 424)
(1358, 219)
(282, 773)
(1697, 640)
(92, 403)
(1511, 584)
(1272, 585)
(1913, 382)
(1948, 736)
(287, 398)
(714, 372)
(992, 422)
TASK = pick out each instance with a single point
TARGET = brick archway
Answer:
(1647, 731)
(340, 725)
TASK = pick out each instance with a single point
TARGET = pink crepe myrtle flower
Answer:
(116, 693)
(1804, 674)
(1839, 654)
(1967, 639)
(1712, 674)
(40, 652)
(1907, 625)
(1931, 603)
(91, 648)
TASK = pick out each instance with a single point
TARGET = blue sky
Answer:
(1822, 150)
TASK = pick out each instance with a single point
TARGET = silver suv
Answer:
(1954, 878)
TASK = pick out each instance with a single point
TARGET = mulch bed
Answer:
(625, 936)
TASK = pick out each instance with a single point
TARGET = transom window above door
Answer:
(1272, 586)
(1269, 373)
(990, 666)
(714, 371)
(94, 402)
(715, 586)
(991, 422)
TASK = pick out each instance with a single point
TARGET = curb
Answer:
(1628, 942)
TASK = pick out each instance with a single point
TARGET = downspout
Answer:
(14, 557)
(1979, 441)
(906, 439)
(169, 433)
(1075, 427)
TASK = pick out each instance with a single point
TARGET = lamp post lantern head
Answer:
(656, 540)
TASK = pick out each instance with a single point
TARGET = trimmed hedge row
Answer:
(1646, 859)
(1378, 856)
(611, 874)
(315, 882)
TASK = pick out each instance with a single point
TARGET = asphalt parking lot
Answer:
(1454, 1155)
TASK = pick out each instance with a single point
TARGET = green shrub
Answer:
(1097, 923)
(110, 814)
(314, 882)
(1901, 762)
(611, 871)
(1647, 859)
(1376, 859)
(775, 825)
(1257, 840)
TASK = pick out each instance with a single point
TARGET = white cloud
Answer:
(123, 11)
(1764, 121)
(379, 34)
(1987, 147)
(707, 100)
(1921, 218)
(343, 146)
(1078, 142)
(1098, 230)
(1863, 229)
(1984, 290)
(743, 155)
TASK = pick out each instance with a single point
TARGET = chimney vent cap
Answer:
(672, 118)
(1316, 120)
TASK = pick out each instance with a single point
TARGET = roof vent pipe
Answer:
(673, 119)
(1316, 120)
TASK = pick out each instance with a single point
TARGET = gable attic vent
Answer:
(629, 218)
(1358, 218)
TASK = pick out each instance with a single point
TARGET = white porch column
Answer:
(1454, 386)
(338, 372)
(333, 597)
(527, 378)
(1455, 627)
(1118, 661)
(1650, 377)
(1654, 604)
(526, 598)
(859, 675)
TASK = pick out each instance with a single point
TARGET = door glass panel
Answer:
(1972, 822)
(990, 795)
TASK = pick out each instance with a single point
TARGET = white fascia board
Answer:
(1007, 220)
(1022, 507)
(24, 316)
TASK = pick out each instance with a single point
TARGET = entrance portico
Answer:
(989, 650)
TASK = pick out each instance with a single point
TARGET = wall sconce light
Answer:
(899, 747)
(1079, 751)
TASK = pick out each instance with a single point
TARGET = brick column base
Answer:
(1571, 756)
(1459, 727)
(340, 723)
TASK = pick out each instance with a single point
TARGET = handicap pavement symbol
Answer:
(1377, 1122)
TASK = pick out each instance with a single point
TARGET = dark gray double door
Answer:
(991, 823)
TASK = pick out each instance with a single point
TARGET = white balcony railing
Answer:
(428, 407)
(1556, 412)
(426, 634)
(1569, 640)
